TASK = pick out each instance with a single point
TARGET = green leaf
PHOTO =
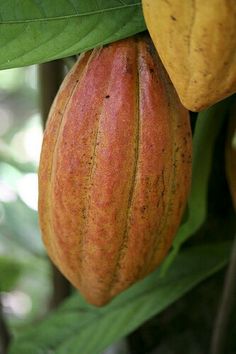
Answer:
(34, 31)
(10, 269)
(80, 328)
(208, 126)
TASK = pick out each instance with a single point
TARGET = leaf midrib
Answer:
(65, 17)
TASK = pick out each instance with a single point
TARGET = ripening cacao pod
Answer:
(230, 156)
(115, 169)
(196, 42)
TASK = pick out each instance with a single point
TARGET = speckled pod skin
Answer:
(196, 41)
(230, 156)
(115, 169)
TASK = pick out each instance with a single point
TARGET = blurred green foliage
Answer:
(24, 269)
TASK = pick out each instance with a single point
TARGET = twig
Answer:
(5, 336)
(50, 77)
(225, 306)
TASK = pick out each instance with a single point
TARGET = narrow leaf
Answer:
(208, 126)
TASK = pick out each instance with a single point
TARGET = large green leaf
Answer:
(78, 328)
(34, 31)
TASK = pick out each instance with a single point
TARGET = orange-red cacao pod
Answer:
(115, 169)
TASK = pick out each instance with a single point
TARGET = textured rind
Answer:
(230, 155)
(196, 42)
(115, 169)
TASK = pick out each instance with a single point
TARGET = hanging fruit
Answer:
(115, 169)
(196, 42)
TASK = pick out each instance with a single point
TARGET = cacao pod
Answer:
(115, 169)
(230, 156)
(196, 42)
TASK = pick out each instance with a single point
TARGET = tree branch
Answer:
(50, 76)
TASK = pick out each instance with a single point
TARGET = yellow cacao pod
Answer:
(230, 156)
(115, 169)
(196, 42)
